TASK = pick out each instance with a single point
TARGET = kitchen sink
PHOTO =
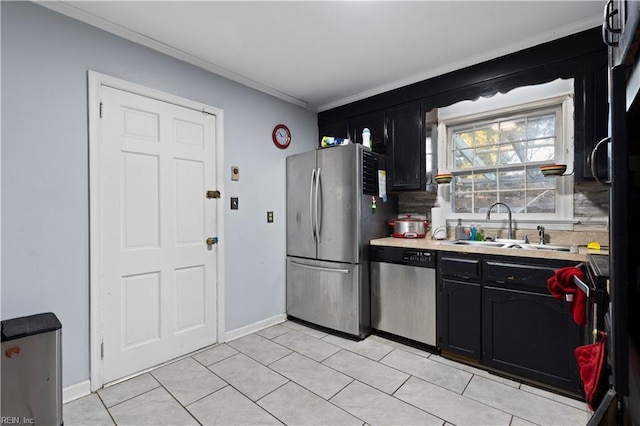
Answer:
(475, 243)
(512, 244)
(549, 247)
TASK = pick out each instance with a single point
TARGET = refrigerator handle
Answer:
(318, 211)
(313, 223)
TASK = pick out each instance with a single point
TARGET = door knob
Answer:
(212, 240)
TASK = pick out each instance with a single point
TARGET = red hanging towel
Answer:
(590, 359)
(561, 284)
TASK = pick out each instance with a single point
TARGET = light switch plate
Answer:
(234, 203)
(269, 217)
(235, 173)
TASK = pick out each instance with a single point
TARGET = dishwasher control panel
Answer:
(422, 256)
(404, 256)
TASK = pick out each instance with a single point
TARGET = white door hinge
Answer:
(101, 104)
(102, 350)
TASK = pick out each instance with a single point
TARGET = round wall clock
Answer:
(281, 136)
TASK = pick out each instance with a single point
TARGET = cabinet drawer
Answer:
(461, 267)
(535, 276)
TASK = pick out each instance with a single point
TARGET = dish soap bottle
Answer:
(459, 230)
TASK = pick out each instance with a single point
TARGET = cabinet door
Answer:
(375, 123)
(459, 317)
(405, 147)
(531, 335)
(591, 108)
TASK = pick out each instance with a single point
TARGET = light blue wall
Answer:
(45, 188)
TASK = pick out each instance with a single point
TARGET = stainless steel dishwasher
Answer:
(403, 292)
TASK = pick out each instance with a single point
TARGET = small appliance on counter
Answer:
(409, 227)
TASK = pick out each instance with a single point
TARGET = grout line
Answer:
(180, 404)
(220, 360)
(135, 396)
(321, 363)
(211, 393)
(105, 407)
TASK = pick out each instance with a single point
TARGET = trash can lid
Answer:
(16, 328)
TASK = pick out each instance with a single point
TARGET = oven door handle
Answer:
(582, 286)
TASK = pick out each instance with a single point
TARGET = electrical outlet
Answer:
(234, 203)
(235, 173)
(269, 217)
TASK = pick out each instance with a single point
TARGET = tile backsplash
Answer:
(591, 210)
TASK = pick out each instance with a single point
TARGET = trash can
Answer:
(32, 370)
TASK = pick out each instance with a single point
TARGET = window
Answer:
(495, 156)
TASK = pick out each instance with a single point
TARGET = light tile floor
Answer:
(297, 375)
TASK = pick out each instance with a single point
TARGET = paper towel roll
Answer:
(438, 224)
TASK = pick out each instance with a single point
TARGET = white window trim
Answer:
(564, 216)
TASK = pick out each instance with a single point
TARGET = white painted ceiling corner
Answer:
(324, 54)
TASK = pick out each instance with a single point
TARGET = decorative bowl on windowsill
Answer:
(553, 170)
(443, 178)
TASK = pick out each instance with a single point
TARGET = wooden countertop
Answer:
(429, 244)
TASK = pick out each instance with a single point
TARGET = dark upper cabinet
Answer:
(396, 133)
(619, 31)
(375, 123)
(338, 129)
(581, 56)
(591, 119)
(405, 147)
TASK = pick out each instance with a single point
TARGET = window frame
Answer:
(564, 151)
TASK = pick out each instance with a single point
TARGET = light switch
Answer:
(235, 173)
(269, 217)
(234, 203)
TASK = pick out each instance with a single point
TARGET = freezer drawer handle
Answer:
(320, 268)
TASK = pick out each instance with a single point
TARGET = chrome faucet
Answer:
(541, 233)
(510, 234)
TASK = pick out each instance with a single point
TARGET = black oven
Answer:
(596, 271)
(598, 325)
(597, 276)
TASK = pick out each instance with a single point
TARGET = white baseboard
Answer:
(81, 389)
(252, 328)
(76, 391)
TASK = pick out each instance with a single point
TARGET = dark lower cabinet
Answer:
(531, 335)
(459, 304)
(458, 317)
(496, 311)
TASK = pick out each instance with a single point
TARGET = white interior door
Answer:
(158, 274)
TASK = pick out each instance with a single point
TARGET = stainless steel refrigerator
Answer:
(333, 210)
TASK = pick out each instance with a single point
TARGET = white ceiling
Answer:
(323, 54)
